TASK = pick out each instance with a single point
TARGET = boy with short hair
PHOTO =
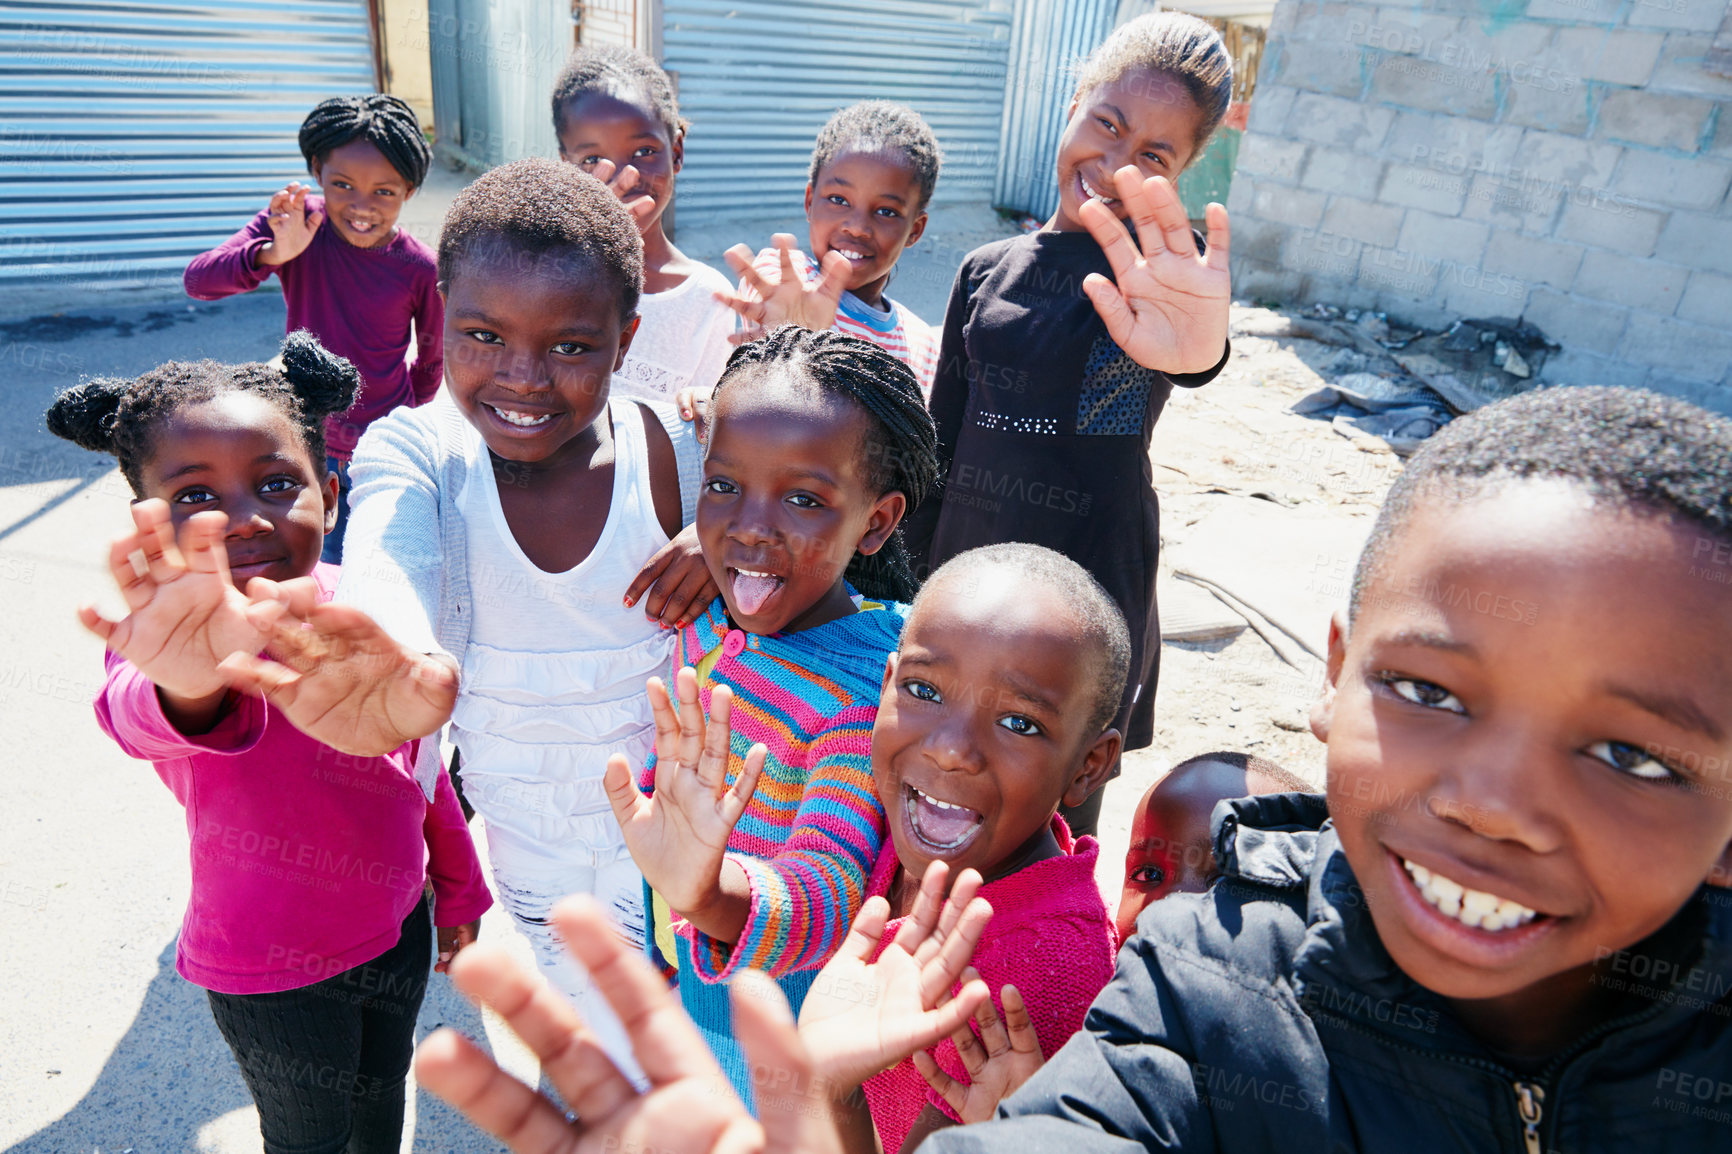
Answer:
(1171, 851)
(1439, 956)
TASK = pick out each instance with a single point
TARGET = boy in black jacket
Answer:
(1511, 928)
(1508, 925)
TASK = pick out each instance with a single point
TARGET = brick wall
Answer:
(1564, 162)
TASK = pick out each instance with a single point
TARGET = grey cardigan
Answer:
(405, 554)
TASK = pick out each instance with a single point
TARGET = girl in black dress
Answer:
(1060, 347)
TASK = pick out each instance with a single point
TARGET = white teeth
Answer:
(851, 254)
(1474, 908)
(1094, 192)
(930, 800)
(753, 573)
(522, 420)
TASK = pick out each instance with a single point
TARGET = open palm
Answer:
(863, 1016)
(339, 677)
(185, 613)
(781, 297)
(292, 226)
(679, 835)
(1166, 305)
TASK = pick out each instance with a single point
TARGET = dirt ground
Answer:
(1231, 440)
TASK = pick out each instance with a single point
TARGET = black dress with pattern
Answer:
(1043, 435)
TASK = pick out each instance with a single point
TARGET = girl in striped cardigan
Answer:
(761, 848)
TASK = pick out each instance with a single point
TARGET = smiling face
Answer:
(1145, 119)
(598, 126)
(982, 724)
(1528, 734)
(785, 503)
(1171, 851)
(529, 348)
(364, 195)
(238, 454)
(866, 206)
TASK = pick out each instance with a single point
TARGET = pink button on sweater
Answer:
(305, 861)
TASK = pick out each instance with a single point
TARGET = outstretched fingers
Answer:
(567, 1049)
(1157, 212)
(764, 1026)
(663, 1038)
(464, 1075)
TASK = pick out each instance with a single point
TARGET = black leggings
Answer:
(326, 1063)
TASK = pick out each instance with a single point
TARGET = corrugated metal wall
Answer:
(134, 135)
(1052, 38)
(758, 79)
(494, 64)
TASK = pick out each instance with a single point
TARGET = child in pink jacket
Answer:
(310, 924)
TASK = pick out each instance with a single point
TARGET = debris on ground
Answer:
(1401, 385)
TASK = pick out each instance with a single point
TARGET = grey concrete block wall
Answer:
(1562, 162)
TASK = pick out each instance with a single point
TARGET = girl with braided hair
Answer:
(760, 836)
(350, 276)
(310, 847)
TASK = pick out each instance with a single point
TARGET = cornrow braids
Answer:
(1170, 44)
(1627, 448)
(119, 416)
(880, 126)
(901, 445)
(385, 122)
(623, 73)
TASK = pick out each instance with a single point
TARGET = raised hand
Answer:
(1168, 307)
(679, 836)
(781, 297)
(1006, 1055)
(689, 1108)
(622, 184)
(863, 1016)
(292, 226)
(338, 677)
(185, 615)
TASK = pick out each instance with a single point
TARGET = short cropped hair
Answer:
(544, 211)
(1101, 629)
(1630, 448)
(880, 126)
(1249, 763)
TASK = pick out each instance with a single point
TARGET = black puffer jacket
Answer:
(1266, 1016)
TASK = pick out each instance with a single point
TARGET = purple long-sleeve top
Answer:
(305, 861)
(359, 302)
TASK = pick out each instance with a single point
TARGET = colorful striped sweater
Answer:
(813, 830)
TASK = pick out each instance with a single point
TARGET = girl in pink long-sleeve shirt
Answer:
(350, 276)
(309, 922)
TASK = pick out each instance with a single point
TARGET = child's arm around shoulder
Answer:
(675, 584)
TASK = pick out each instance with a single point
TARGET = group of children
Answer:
(895, 611)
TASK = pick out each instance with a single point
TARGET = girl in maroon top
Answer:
(350, 276)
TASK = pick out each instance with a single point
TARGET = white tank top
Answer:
(554, 671)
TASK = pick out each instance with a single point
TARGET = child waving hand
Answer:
(1061, 347)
